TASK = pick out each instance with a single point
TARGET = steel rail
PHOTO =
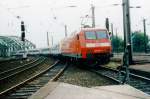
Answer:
(30, 65)
(110, 78)
(136, 80)
(14, 64)
(140, 72)
(44, 72)
(137, 74)
(55, 78)
(27, 80)
(18, 67)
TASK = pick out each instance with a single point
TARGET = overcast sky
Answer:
(42, 16)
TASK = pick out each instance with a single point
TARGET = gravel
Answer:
(81, 77)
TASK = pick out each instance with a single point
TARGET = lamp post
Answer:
(144, 26)
(112, 30)
(127, 28)
(93, 15)
(65, 30)
(127, 57)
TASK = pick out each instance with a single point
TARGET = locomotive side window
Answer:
(90, 35)
(101, 34)
(77, 37)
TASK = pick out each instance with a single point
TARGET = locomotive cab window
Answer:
(101, 34)
(90, 35)
(77, 36)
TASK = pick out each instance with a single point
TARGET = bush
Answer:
(138, 41)
(118, 44)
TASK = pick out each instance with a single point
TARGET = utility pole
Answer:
(93, 15)
(116, 38)
(127, 57)
(52, 39)
(112, 37)
(107, 24)
(124, 21)
(116, 32)
(144, 25)
(112, 30)
(65, 30)
(128, 29)
(48, 40)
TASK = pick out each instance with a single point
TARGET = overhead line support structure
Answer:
(93, 15)
(127, 29)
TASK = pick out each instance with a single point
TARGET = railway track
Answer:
(11, 72)
(8, 60)
(141, 62)
(139, 72)
(135, 54)
(28, 87)
(5, 66)
(12, 77)
(136, 80)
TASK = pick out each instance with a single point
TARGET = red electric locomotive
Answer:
(90, 45)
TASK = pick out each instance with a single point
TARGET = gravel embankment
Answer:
(77, 76)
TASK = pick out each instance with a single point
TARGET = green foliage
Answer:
(138, 41)
(117, 43)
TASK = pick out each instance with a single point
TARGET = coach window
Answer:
(90, 35)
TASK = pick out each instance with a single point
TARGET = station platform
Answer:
(144, 67)
(57, 90)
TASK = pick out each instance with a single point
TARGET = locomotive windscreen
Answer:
(93, 35)
(90, 35)
(101, 34)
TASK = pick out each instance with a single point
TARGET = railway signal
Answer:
(23, 37)
(22, 31)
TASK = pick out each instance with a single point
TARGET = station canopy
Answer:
(12, 44)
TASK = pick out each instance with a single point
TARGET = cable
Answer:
(86, 16)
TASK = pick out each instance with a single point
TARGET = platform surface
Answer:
(56, 90)
(145, 67)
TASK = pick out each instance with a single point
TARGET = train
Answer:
(31, 52)
(89, 45)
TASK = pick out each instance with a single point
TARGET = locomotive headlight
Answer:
(105, 44)
(98, 44)
(90, 45)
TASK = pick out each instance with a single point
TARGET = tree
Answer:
(117, 43)
(138, 41)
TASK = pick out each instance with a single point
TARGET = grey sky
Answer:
(43, 16)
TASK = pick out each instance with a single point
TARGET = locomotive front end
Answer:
(96, 45)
